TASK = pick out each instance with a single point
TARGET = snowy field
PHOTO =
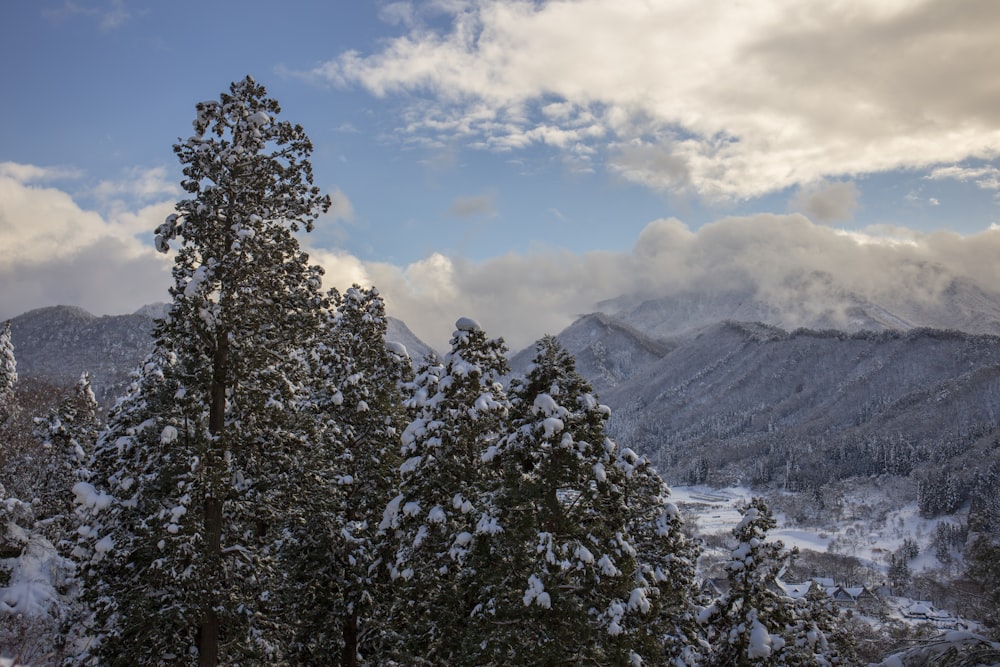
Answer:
(715, 512)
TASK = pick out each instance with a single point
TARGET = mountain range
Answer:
(715, 386)
(58, 343)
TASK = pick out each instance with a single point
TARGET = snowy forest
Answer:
(282, 486)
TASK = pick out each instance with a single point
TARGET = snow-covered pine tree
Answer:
(439, 524)
(753, 624)
(347, 479)
(8, 374)
(667, 557)
(567, 581)
(983, 569)
(200, 459)
(66, 433)
(744, 624)
(37, 581)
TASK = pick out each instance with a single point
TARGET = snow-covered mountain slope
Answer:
(608, 352)
(58, 343)
(753, 403)
(398, 332)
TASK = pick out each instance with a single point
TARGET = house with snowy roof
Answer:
(922, 610)
(714, 586)
(795, 591)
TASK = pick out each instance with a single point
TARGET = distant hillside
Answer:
(608, 352)
(398, 332)
(744, 402)
(57, 344)
(725, 402)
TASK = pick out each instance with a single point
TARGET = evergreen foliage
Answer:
(666, 559)
(196, 469)
(66, 433)
(348, 475)
(39, 611)
(8, 374)
(753, 624)
(983, 557)
(439, 524)
(573, 588)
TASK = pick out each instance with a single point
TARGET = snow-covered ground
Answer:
(716, 512)
(852, 532)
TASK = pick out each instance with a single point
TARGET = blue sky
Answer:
(532, 143)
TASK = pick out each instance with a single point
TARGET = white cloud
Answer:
(29, 173)
(57, 253)
(730, 100)
(522, 297)
(341, 207)
(987, 178)
(140, 184)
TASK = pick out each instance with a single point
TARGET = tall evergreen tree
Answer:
(8, 374)
(198, 463)
(347, 479)
(745, 623)
(442, 516)
(983, 568)
(572, 588)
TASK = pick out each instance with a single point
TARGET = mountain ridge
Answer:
(56, 344)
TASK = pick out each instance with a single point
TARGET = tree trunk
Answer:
(220, 367)
(208, 631)
(208, 640)
(349, 658)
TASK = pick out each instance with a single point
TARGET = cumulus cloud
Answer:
(55, 252)
(58, 253)
(779, 259)
(29, 173)
(341, 208)
(729, 100)
(827, 202)
(140, 184)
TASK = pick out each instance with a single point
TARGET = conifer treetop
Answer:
(243, 165)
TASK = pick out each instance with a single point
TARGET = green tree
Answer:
(38, 595)
(67, 432)
(200, 459)
(8, 374)
(983, 568)
(347, 478)
(573, 588)
(666, 557)
(752, 624)
(442, 516)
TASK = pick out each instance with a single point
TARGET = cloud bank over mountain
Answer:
(56, 252)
